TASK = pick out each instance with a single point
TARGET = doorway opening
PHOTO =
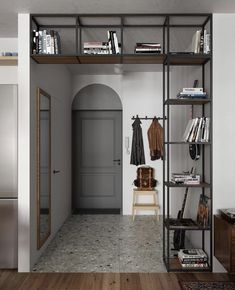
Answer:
(97, 150)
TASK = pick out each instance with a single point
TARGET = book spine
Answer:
(40, 42)
(52, 34)
(34, 42)
(193, 130)
(109, 42)
(116, 42)
(48, 42)
(44, 41)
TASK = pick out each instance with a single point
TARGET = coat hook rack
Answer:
(147, 118)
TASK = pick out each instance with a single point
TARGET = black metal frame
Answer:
(168, 60)
(79, 25)
(167, 186)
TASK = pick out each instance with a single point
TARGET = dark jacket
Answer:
(155, 137)
(137, 149)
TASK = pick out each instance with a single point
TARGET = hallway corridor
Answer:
(105, 243)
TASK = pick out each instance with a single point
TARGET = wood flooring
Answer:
(11, 280)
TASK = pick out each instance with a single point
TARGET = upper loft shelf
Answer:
(187, 59)
(100, 59)
(195, 101)
(122, 58)
(8, 60)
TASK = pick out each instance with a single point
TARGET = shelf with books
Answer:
(188, 59)
(55, 59)
(184, 224)
(99, 59)
(176, 266)
(186, 143)
(189, 101)
(196, 135)
(8, 60)
(201, 185)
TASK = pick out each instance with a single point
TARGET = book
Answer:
(203, 211)
(191, 253)
(44, 41)
(117, 50)
(192, 90)
(187, 130)
(192, 134)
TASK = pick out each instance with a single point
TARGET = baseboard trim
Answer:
(97, 211)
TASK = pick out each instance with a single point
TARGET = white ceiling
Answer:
(10, 8)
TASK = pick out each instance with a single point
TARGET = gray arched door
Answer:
(97, 149)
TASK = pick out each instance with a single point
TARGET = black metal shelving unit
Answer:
(205, 187)
(167, 59)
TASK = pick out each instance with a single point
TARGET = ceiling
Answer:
(10, 8)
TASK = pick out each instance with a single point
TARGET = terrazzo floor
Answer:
(105, 243)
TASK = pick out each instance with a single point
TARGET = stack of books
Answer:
(96, 47)
(46, 42)
(185, 178)
(197, 130)
(8, 53)
(193, 258)
(191, 93)
(201, 42)
(142, 47)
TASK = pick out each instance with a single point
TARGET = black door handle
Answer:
(119, 160)
(56, 171)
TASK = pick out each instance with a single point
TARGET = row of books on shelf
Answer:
(197, 130)
(193, 258)
(112, 46)
(201, 42)
(185, 178)
(142, 47)
(46, 42)
(9, 53)
(192, 93)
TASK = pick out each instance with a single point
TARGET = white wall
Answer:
(224, 111)
(140, 93)
(8, 44)
(23, 145)
(56, 81)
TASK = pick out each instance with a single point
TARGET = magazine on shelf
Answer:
(203, 212)
(197, 130)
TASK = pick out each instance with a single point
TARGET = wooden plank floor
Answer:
(11, 280)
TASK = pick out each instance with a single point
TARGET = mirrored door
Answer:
(43, 167)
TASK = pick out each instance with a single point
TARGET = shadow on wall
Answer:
(96, 97)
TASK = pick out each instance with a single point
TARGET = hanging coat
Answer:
(137, 149)
(155, 137)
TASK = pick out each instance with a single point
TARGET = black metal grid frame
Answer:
(168, 60)
(167, 186)
(79, 25)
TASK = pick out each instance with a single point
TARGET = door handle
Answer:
(117, 160)
(56, 171)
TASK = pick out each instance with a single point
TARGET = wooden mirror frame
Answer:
(40, 241)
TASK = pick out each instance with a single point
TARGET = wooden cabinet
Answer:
(224, 241)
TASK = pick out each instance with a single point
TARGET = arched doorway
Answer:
(97, 150)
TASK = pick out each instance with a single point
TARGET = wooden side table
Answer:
(145, 206)
(224, 243)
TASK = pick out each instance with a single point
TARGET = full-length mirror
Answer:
(43, 167)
